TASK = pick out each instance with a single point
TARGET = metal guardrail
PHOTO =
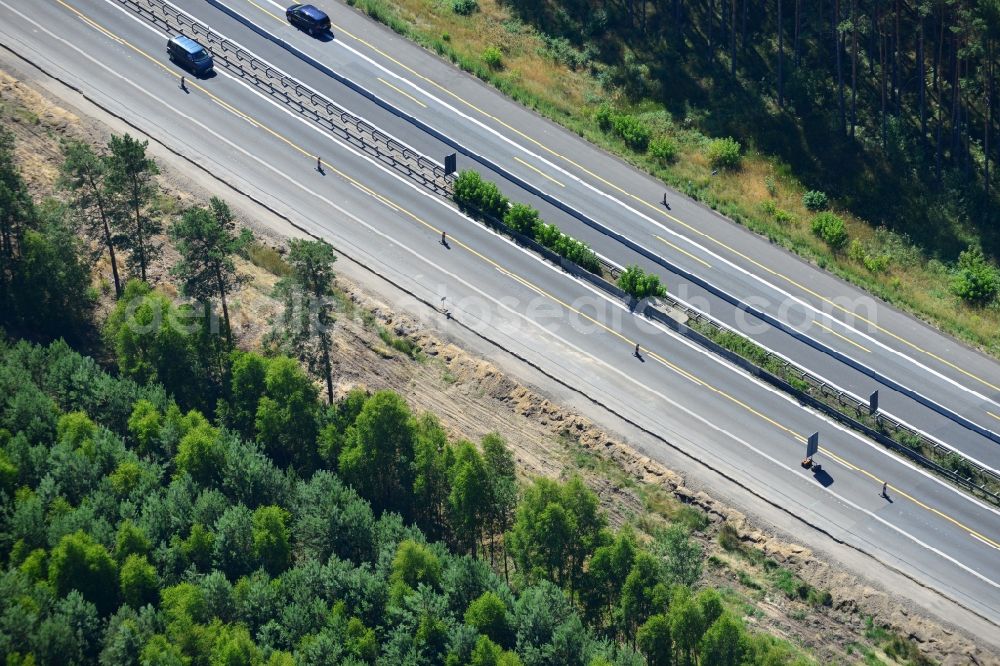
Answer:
(883, 428)
(302, 99)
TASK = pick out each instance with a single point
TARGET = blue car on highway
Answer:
(308, 18)
(190, 55)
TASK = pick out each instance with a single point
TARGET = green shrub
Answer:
(724, 153)
(729, 538)
(976, 281)
(817, 597)
(790, 584)
(831, 229)
(959, 465)
(404, 345)
(639, 284)
(482, 198)
(493, 57)
(604, 116)
(768, 207)
(663, 150)
(269, 259)
(869, 256)
(579, 253)
(479, 197)
(467, 189)
(772, 187)
(522, 218)
(815, 200)
(633, 131)
(630, 129)
(782, 216)
(562, 51)
(464, 7)
(911, 441)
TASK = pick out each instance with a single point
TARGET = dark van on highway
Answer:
(308, 18)
(190, 55)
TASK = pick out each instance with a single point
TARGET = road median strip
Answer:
(483, 201)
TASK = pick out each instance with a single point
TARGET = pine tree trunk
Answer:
(506, 572)
(921, 79)
(140, 241)
(225, 307)
(937, 155)
(711, 25)
(854, 66)
(988, 121)
(111, 255)
(939, 55)
(327, 367)
(743, 27)
(837, 47)
(956, 96)
(6, 261)
(732, 37)
(896, 37)
(102, 211)
(883, 63)
(781, 58)
(797, 55)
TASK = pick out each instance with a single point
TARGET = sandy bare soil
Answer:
(473, 397)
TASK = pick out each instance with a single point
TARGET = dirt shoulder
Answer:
(476, 389)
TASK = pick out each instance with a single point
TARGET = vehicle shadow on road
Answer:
(823, 477)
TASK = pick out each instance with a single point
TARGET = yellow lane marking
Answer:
(993, 415)
(987, 542)
(842, 337)
(913, 499)
(683, 251)
(500, 268)
(402, 92)
(267, 11)
(538, 171)
(662, 212)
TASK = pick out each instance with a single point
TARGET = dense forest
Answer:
(191, 503)
(888, 105)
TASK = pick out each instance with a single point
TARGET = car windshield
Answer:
(200, 55)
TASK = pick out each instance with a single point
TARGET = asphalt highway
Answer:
(695, 240)
(925, 528)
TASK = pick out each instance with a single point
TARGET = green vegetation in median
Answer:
(639, 284)
(765, 360)
(483, 199)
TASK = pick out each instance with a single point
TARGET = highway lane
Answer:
(428, 88)
(939, 536)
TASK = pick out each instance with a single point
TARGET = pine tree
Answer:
(307, 322)
(207, 240)
(130, 179)
(84, 173)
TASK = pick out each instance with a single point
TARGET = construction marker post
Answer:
(812, 447)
